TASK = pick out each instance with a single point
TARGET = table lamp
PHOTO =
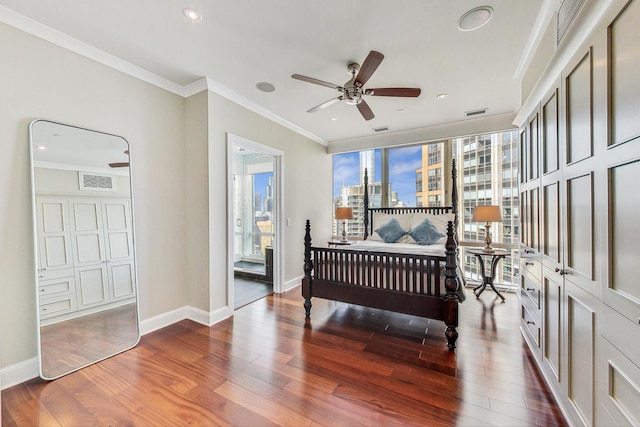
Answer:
(344, 214)
(487, 214)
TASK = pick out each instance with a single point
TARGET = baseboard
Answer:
(26, 370)
(290, 284)
(19, 372)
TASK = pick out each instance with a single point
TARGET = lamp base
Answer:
(487, 239)
(344, 232)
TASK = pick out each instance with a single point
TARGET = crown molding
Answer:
(58, 38)
(67, 42)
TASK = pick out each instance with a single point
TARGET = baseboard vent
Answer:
(475, 112)
(565, 16)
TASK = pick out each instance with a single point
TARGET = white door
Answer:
(89, 252)
(119, 247)
(53, 233)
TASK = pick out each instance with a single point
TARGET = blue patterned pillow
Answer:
(425, 233)
(391, 231)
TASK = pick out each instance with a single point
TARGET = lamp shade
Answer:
(344, 213)
(486, 214)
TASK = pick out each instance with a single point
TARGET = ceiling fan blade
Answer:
(325, 104)
(368, 67)
(365, 110)
(119, 165)
(394, 91)
(315, 81)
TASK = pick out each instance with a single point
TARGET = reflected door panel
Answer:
(86, 277)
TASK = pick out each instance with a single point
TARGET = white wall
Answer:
(40, 80)
(178, 165)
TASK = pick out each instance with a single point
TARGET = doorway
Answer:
(254, 200)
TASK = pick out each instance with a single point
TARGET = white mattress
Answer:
(402, 248)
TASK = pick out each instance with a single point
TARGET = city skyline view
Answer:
(402, 173)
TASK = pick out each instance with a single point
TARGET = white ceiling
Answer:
(242, 42)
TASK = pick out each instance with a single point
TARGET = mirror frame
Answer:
(36, 249)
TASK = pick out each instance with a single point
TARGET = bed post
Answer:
(307, 280)
(451, 299)
(454, 195)
(366, 204)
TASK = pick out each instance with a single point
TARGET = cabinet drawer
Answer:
(531, 289)
(532, 264)
(531, 325)
(54, 274)
(57, 306)
(56, 287)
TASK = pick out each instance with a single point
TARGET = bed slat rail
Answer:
(414, 274)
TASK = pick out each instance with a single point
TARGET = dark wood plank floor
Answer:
(348, 366)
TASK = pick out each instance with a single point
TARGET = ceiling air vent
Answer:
(475, 112)
(96, 182)
(381, 129)
(565, 16)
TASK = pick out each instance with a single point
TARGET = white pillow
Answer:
(380, 219)
(438, 221)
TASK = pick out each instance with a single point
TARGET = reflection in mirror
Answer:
(85, 260)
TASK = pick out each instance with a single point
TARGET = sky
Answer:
(403, 163)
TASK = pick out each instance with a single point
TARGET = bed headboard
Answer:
(435, 210)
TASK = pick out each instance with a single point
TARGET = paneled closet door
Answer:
(580, 190)
(119, 247)
(54, 235)
(89, 252)
(86, 231)
(550, 234)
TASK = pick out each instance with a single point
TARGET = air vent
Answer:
(381, 129)
(475, 112)
(95, 182)
(565, 16)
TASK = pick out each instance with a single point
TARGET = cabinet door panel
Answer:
(91, 286)
(552, 322)
(53, 233)
(581, 319)
(579, 111)
(580, 225)
(624, 62)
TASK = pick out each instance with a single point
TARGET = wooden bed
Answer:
(419, 284)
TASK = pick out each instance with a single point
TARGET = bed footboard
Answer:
(404, 283)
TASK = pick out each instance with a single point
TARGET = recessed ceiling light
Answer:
(192, 14)
(475, 18)
(265, 87)
(334, 118)
(400, 110)
(41, 147)
(442, 95)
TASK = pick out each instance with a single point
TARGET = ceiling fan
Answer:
(353, 91)
(120, 164)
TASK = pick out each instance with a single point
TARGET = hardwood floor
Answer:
(247, 291)
(348, 366)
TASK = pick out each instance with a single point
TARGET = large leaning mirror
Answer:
(85, 260)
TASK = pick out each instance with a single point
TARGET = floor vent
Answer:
(475, 112)
(565, 16)
(96, 182)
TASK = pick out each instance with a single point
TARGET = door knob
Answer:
(561, 271)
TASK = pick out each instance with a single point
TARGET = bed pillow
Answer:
(439, 221)
(426, 233)
(391, 231)
(381, 219)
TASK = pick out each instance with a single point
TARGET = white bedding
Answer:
(403, 248)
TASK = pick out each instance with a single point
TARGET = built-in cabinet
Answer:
(579, 184)
(85, 255)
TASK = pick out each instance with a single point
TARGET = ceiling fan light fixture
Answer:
(475, 18)
(192, 14)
